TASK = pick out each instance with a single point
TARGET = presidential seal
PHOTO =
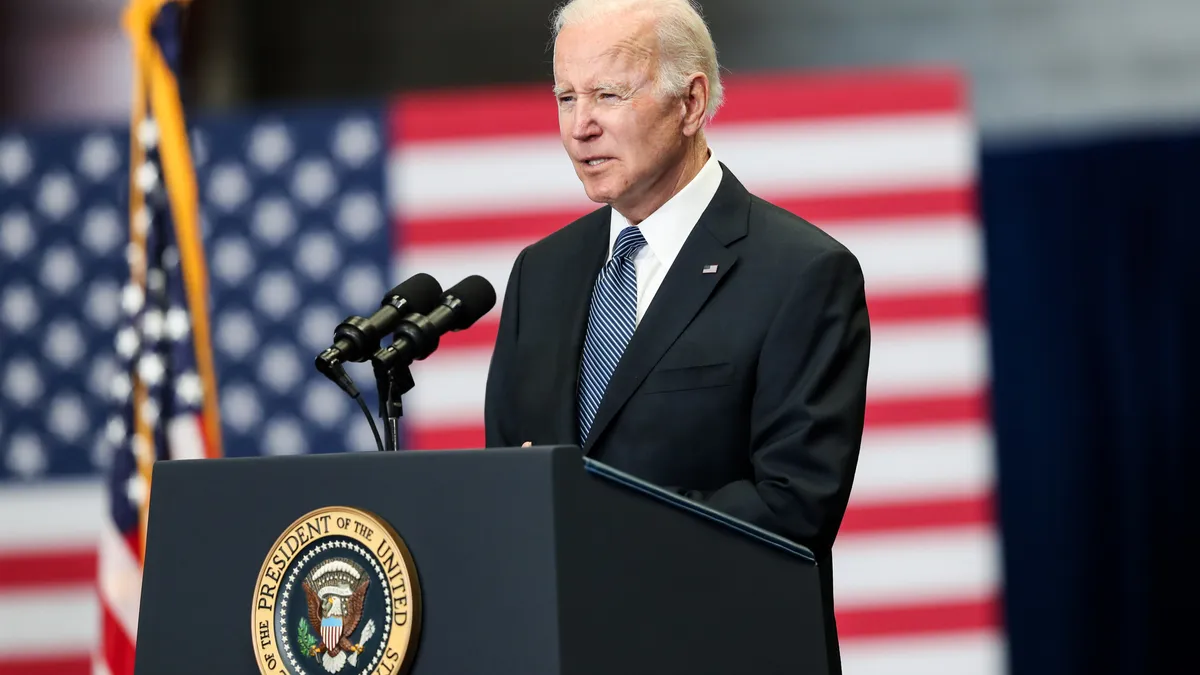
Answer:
(337, 593)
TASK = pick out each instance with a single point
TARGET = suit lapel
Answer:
(580, 267)
(683, 292)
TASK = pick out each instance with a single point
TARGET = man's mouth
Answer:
(596, 161)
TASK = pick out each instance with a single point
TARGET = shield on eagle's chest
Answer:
(331, 631)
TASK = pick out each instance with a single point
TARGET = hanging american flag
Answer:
(164, 390)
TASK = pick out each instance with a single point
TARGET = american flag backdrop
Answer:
(885, 162)
(309, 215)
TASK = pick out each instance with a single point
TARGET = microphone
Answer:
(417, 336)
(356, 338)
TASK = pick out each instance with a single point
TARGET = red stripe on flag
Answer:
(116, 644)
(531, 109)
(924, 514)
(525, 228)
(909, 411)
(912, 620)
(52, 664)
(511, 110)
(881, 413)
(443, 437)
(133, 540)
(933, 306)
(821, 210)
(768, 97)
(482, 335)
(47, 568)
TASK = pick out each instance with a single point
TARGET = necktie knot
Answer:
(629, 242)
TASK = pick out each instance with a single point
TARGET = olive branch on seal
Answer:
(304, 637)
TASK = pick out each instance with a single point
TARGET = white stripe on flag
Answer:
(187, 441)
(925, 462)
(873, 570)
(837, 155)
(927, 358)
(120, 578)
(99, 667)
(973, 653)
(51, 514)
(37, 622)
(451, 263)
(915, 255)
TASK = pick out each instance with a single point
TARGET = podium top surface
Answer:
(666, 496)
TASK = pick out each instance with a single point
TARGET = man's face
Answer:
(621, 137)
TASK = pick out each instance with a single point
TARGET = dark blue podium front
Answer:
(530, 561)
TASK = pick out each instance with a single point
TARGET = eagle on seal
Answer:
(335, 592)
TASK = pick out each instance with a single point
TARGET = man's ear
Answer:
(695, 103)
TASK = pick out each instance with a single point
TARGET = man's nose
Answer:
(584, 125)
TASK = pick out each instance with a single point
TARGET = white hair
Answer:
(685, 45)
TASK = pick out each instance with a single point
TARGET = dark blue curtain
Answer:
(1093, 252)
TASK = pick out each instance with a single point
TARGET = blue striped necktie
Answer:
(611, 321)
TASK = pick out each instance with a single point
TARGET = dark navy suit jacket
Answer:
(744, 389)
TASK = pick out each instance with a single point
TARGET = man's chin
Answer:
(599, 192)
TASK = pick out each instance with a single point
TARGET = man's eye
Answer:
(565, 99)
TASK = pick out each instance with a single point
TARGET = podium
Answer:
(512, 561)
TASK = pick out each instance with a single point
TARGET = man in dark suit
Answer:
(687, 332)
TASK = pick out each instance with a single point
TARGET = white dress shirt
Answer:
(665, 231)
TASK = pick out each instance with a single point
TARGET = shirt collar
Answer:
(668, 227)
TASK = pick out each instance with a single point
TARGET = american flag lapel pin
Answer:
(709, 269)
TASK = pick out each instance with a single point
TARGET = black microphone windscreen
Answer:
(477, 297)
(421, 290)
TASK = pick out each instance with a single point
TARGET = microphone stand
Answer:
(393, 376)
(392, 383)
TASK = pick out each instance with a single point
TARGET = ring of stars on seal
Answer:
(285, 642)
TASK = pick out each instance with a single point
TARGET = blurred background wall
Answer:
(63, 60)
(1035, 66)
(1089, 122)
